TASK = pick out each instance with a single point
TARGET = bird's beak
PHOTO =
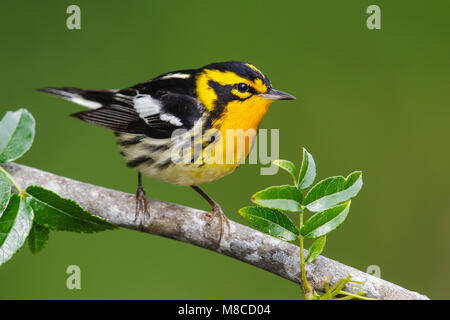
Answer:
(273, 94)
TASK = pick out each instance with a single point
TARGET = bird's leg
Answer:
(141, 204)
(216, 211)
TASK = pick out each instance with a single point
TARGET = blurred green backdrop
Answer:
(372, 100)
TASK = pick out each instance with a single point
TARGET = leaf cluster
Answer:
(328, 202)
(32, 213)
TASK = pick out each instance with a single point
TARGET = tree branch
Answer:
(189, 225)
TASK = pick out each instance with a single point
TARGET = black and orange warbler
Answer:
(153, 118)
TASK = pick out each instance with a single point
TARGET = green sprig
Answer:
(329, 203)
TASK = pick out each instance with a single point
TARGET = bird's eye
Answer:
(242, 87)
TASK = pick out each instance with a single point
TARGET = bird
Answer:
(174, 127)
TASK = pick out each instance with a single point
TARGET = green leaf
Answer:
(5, 191)
(307, 170)
(15, 224)
(16, 134)
(287, 166)
(38, 238)
(316, 249)
(331, 191)
(270, 221)
(287, 198)
(56, 213)
(326, 221)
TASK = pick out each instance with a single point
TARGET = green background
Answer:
(371, 100)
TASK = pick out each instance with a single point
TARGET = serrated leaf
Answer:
(57, 213)
(326, 221)
(307, 170)
(15, 224)
(331, 191)
(316, 249)
(5, 191)
(16, 134)
(286, 198)
(287, 166)
(38, 238)
(270, 221)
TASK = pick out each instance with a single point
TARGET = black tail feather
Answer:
(117, 118)
(111, 109)
(65, 92)
(88, 98)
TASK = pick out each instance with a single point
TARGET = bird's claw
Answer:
(142, 207)
(217, 211)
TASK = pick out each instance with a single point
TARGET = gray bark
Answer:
(189, 225)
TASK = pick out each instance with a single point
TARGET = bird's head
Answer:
(237, 93)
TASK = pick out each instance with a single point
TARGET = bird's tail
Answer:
(111, 109)
(91, 99)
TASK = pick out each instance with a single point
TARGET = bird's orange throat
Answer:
(239, 122)
(243, 114)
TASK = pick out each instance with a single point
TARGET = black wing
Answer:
(174, 111)
(155, 108)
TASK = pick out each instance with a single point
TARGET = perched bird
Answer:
(174, 127)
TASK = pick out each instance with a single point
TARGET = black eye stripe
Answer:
(225, 95)
(251, 90)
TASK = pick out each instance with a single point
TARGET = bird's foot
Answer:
(142, 207)
(217, 211)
